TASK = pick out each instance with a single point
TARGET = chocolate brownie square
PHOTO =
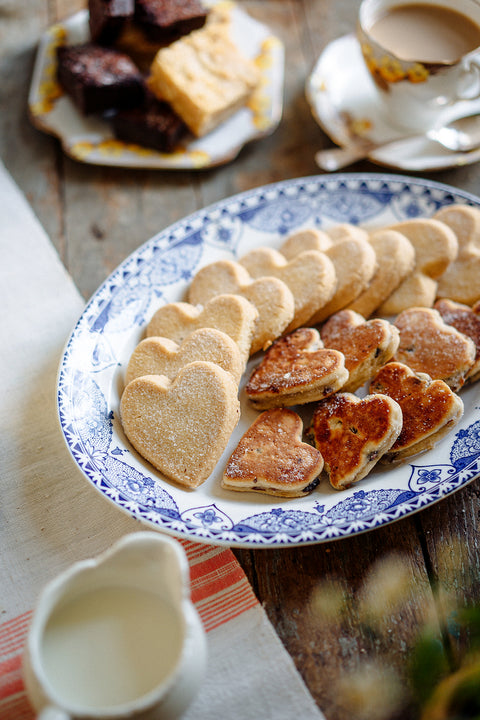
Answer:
(107, 18)
(155, 126)
(167, 20)
(98, 78)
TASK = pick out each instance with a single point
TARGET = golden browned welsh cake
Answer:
(429, 345)
(352, 434)
(272, 459)
(430, 408)
(365, 344)
(464, 319)
(295, 370)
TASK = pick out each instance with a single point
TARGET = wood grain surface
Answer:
(317, 597)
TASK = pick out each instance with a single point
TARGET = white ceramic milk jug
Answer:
(117, 636)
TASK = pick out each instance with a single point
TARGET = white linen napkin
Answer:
(51, 517)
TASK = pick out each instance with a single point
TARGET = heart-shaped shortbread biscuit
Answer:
(271, 458)
(310, 277)
(467, 321)
(435, 246)
(295, 370)
(352, 256)
(355, 263)
(430, 408)
(340, 232)
(461, 280)
(395, 261)
(429, 345)
(270, 296)
(303, 240)
(161, 356)
(353, 434)
(232, 314)
(366, 344)
(182, 427)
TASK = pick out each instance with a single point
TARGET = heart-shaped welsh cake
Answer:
(366, 344)
(428, 345)
(272, 459)
(182, 427)
(295, 370)
(464, 319)
(232, 314)
(161, 356)
(430, 408)
(353, 434)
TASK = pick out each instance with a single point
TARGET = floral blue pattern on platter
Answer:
(92, 370)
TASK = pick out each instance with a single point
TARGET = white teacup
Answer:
(117, 636)
(423, 56)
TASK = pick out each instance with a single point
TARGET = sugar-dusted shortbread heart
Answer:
(366, 344)
(303, 240)
(435, 246)
(429, 345)
(464, 319)
(355, 263)
(232, 314)
(272, 459)
(395, 261)
(461, 280)
(352, 434)
(346, 231)
(271, 297)
(161, 356)
(310, 277)
(182, 427)
(295, 370)
(352, 256)
(430, 408)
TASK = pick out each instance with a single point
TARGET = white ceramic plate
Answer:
(92, 371)
(345, 103)
(91, 140)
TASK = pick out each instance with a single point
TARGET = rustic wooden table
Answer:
(96, 216)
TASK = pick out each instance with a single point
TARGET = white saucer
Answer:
(344, 102)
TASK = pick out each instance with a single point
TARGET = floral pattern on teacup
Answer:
(386, 69)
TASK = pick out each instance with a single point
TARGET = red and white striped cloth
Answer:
(51, 517)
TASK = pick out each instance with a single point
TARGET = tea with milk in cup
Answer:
(427, 33)
(422, 56)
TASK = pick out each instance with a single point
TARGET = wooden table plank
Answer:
(328, 646)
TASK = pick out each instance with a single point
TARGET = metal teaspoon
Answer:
(461, 135)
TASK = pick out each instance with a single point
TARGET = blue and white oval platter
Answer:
(113, 322)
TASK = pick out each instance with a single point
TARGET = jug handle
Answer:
(52, 713)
